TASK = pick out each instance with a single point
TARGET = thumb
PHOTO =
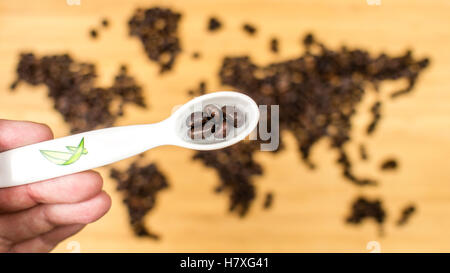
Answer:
(14, 134)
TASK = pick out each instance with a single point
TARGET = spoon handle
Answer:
(76, 153)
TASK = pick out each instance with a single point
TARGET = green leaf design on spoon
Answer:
(66, 158)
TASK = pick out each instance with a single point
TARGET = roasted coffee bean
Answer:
(200, 90)
(407, 212)
(93, 33)
(105, 22)
(196, 118)
(214, 112)
(274, 45)
(363, 152)
(213, 120)
(209, 128)
(376, 116)
(233, 115)
(250, 29)
(308, 40)
(13, 85)
(195, 134)
(214, 24)
(222, 130)
(203, 131)
(389, 164)
(344, 161)
(268, 201)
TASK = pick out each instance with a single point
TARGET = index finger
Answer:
(14, 134)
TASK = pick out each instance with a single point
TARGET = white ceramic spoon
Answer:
(84, 151)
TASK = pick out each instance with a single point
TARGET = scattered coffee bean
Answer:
(202, 131)
(214, 24)
(308, 40)
(105, 22)
(196, 118)
(196, 55)
(411, 74)
(407, 212)
(157, 28)
(13, 85)
(140, 185)
(268, 201)
(93, 33)
(375, 110)
(389, 164)
(200, 90)
(213, 120)
(363, 152)
(195, 134)
(249, 29)
(274, 45)
(71, 86)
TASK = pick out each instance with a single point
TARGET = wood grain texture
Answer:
(309, 206)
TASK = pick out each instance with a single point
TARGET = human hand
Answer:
(36, 217)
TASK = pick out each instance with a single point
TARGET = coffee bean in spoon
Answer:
(214, 120)
(195, 134)
(233, 115)
(201, 131)
(209, 128)
(213, 111)
(196, 118)
(223, 129)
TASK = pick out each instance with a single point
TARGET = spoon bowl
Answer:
(241, 101)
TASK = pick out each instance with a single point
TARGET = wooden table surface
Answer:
(309, 206)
